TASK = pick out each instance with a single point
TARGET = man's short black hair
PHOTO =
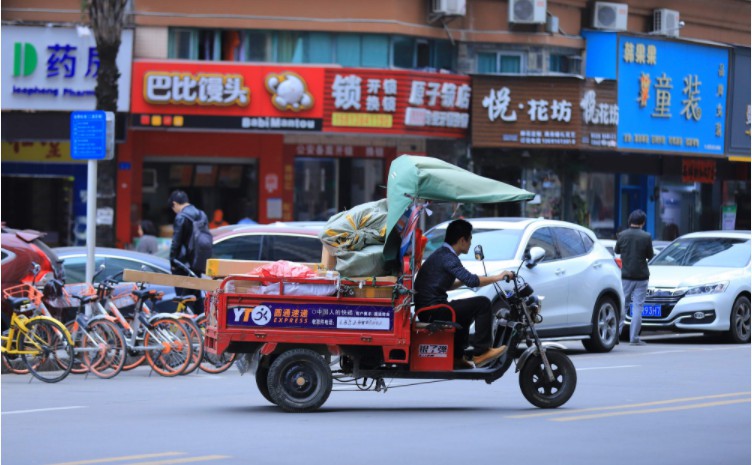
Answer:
(148, 228)
(178, 196)
(637, 217)
(456, 230)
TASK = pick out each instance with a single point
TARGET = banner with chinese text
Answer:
(396, 102)
(190, 94)
(544, 112)
(672, 96)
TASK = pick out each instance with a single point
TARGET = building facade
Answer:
(292, 111)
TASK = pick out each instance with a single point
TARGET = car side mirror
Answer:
(479, 252)
(535, 256)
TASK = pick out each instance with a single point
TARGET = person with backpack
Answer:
(191, 241)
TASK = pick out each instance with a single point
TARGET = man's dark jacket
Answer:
(183, 228)
(636, 248)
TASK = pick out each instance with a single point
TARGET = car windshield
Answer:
(723, 252)
(498, 244)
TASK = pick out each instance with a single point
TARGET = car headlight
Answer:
(714, 288)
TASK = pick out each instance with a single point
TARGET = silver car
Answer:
(578, 277)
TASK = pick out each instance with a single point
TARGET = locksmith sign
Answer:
(54, 68)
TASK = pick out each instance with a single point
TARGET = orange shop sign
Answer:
(187, 94)
(396, 102)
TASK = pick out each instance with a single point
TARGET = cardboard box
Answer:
(371, 292)
(328, 260)
(171, 280)
(219, 268)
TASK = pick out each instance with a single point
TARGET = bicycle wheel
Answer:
(108, 357)
(133, 358)
(46, 351)
(14, 364)
(210, 363)
(174, 354)
(197, 344)
(79, 366)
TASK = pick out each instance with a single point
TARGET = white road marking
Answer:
(14, 412)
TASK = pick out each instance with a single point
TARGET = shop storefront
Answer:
(47, 73)
(543, 134)
(670, 145)
(274, 142)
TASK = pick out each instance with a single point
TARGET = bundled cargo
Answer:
(356, 239)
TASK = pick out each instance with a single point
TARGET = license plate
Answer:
(649, 310)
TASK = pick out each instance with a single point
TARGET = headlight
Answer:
(714, 288)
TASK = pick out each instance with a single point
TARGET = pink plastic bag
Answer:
(284, 269)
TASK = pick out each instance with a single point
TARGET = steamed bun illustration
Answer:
(289, 91)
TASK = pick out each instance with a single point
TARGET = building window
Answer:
(258, 46)
(347, 49)
(375, 51)
(182, 43)
(320, 48)
(500, 62)
(569, 64)
(289, 47)
(403, 52)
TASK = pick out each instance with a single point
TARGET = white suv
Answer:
(578, 277)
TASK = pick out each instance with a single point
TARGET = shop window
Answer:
(547, 187)
(258, 46)
(348, 49)
(206, 176)
(375, 51)
(403, 52)
(320, 48)
(181, 175)
(422, 54)
(289, 47)
(182, 44)
(500, 62)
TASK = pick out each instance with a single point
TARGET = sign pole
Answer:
(91, 218)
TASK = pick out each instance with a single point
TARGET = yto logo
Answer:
(24, 59)
(261, 315)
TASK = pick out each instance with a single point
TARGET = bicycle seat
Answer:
(18, 302)
(85, 299)
(147, 294)
(184, 299)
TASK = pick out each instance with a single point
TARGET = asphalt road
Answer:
(675, 401)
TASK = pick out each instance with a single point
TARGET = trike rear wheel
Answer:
(299, 380)
(262, 382)
(538, 390)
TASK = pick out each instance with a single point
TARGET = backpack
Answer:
(199, 244)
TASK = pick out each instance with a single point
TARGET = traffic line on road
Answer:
(656, 403)
(654, 410)
(608, 368)
(51, 409)
(175, 458)
(203, 458)
(120, 459)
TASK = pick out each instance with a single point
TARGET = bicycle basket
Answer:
(122, 295)
(24, 290)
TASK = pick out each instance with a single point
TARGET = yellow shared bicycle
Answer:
(41, 342)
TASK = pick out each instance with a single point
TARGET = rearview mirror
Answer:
(479, 252)
(536, 255)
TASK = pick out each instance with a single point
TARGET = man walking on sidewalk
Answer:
(636, 248)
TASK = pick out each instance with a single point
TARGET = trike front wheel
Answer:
(299, 380)
(536, 387)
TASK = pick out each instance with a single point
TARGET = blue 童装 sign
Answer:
(672, 96)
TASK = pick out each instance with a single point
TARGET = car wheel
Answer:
(605, 326)
(739, 331)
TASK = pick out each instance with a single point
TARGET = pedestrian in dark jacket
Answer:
(636, 248)
(186, 216)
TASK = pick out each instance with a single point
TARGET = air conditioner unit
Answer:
(527, 11)
(611, 16)
(448, 7)
(666, 22)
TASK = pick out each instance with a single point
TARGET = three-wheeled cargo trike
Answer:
(367, 331)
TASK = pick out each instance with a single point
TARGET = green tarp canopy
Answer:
(428, 178)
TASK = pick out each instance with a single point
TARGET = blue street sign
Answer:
(88, 135)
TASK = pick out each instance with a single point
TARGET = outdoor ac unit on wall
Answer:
(666, 22)
(611, 16)
(527, 11)
(448, 7)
